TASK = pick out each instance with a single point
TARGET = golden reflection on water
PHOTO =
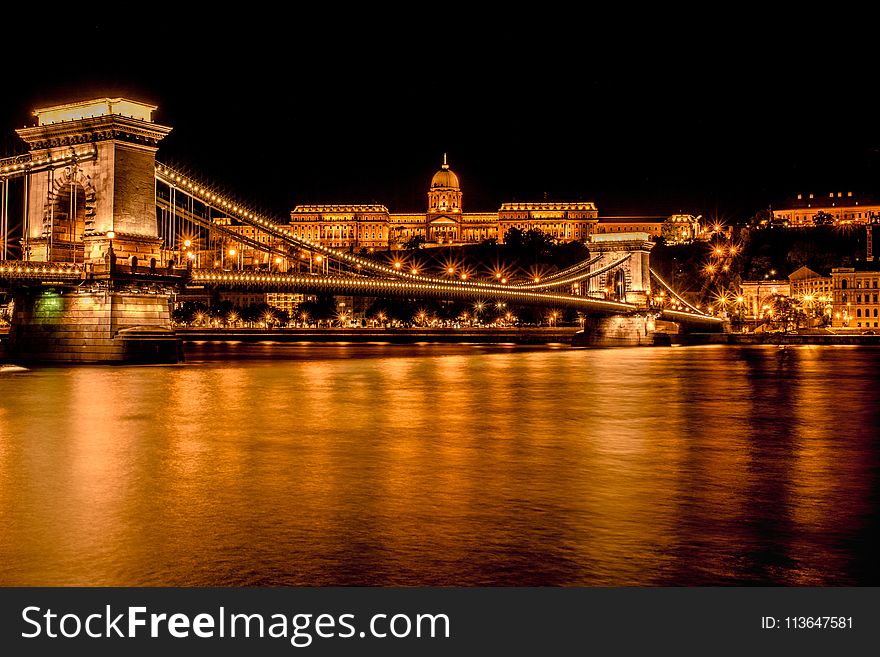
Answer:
(427, 465)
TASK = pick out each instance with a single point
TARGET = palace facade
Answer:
(373, 227)
(444, 222)
(835, 208)
(856, 300)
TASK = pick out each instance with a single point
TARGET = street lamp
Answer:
(111, 257)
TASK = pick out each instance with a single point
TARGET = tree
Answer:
(787, 314)
(822, 218)
(188, 311)
(414, 243)
(514, 239)
(761, 219)
(324, 307)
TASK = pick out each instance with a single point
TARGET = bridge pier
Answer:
(617, 331)
(52, 325)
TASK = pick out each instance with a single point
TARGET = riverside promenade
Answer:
(512, 335)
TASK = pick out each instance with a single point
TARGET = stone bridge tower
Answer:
(631, 280)
(110, 186)
(92, 200)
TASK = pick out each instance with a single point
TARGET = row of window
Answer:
(845, 298)
(545, 227)
(844, 284)
(300, 218)
(867, 312)
(505, 216)
(627, 229)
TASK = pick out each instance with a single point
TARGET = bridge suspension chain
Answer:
(24, 165)
(673, 293)
(398, 288)
(241, 212)
(579, 277)
(554, 278)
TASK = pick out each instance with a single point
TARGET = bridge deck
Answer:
(67, 273)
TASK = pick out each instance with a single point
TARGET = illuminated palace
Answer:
(355, 227)
(836, 208)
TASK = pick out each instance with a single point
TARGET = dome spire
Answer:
(445, 166)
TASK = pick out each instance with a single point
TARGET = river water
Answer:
(445, 465)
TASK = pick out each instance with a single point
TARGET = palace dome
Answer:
(446, 177)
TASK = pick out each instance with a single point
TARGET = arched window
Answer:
(859, 312)
(843, 284)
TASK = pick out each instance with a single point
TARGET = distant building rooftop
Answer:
(548, 205)
(835, 199)
(330, 208)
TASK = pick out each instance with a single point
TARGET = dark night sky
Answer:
(650, 119)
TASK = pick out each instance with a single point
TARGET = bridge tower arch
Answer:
(630, 279)
(92, 201)
(66, 218)
(113, 143)
(623, 273)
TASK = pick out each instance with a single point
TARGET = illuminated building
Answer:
(835, 208)
(355, 227)
(758, 296)
(680, 229)
(856, 303)
(804, 282)
(812, 290)
(372, 227)
(565, 221)
(342, 226)
(610, 225)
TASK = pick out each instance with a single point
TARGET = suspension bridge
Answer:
(99, 238)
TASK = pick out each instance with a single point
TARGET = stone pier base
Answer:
(71, 326)
(616, 331)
